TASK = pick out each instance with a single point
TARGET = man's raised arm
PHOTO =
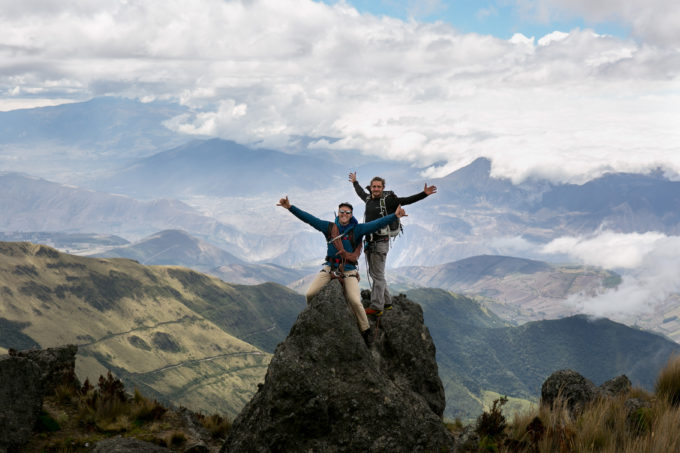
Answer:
(357, 187)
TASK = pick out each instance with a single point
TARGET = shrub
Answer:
(46, 424)
(176, 439)
(668, 382)
(216, 425)
(146, 410)
(491, 426)
(66, 394)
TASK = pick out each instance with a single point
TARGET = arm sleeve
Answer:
(375, 225)
(360, 190)
(412, 199)
(316, 223)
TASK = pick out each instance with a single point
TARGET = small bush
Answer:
(146, 410)
(668, 382)
(492, 424)
(111, 388)
(46, 424)
(216, 425)
(455, 426)
(66, 394)
(176, 439)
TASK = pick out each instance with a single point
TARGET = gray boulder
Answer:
(575, 390)
(638, 415)
(326, 391)
(57, 365)
(21, 396)
(25, 378)
(619, 385)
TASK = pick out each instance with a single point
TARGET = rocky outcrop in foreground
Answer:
(326, 391)
(25, 378)
(576, 391)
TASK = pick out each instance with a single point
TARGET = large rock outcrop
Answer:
(21, 398)
(326, 391)
(25, 378)
(576, 392)
(57, 365)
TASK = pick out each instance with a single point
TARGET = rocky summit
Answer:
(325, 390)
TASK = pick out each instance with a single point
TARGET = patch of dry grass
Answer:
(611, 425)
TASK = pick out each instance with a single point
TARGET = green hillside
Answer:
(479, 356)
(190, 339)
(180, 336)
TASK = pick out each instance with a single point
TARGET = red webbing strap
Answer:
(344, 254)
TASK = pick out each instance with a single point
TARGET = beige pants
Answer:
(352, 294)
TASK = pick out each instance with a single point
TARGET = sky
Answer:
(562, 89)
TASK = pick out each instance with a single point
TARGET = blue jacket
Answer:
(360, 230)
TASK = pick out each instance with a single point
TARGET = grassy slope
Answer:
(169, 331)
(479, 356)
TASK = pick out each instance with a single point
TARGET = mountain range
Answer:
(225, 193)
(85, 139)
(186, 338)
(176, 247)
(517, 289)
(480, 357)
(112, 178)
(181, 336)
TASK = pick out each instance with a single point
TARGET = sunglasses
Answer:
(345, 212)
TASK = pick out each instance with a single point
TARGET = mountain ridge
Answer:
(168, 330)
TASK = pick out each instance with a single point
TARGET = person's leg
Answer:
(321, 280)
(376, 269)
(353, 296)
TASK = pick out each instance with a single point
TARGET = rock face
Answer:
(577, 391)
(326, 391)
(20, 401)
(25, 378)
(127, 445)
(57, 365)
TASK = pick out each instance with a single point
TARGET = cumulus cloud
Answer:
(567, 106)
(654, 21)
(648, 263)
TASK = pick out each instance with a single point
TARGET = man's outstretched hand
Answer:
(429, 190)
(353, 177)
(284, 203)
(400, 212)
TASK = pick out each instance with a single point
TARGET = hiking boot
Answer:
(373, 312)
(368, 336)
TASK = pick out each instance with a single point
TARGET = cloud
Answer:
(648, 263)
(567, 106)
(612, 250)
(654, 21)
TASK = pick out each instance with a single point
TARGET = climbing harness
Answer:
(338, 262)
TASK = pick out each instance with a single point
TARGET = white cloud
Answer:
(648, 262)
(568, 106)
(655, 21)
(609, 249)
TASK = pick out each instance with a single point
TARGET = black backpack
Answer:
(394, 228)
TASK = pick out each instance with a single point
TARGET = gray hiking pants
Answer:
(377, 257)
